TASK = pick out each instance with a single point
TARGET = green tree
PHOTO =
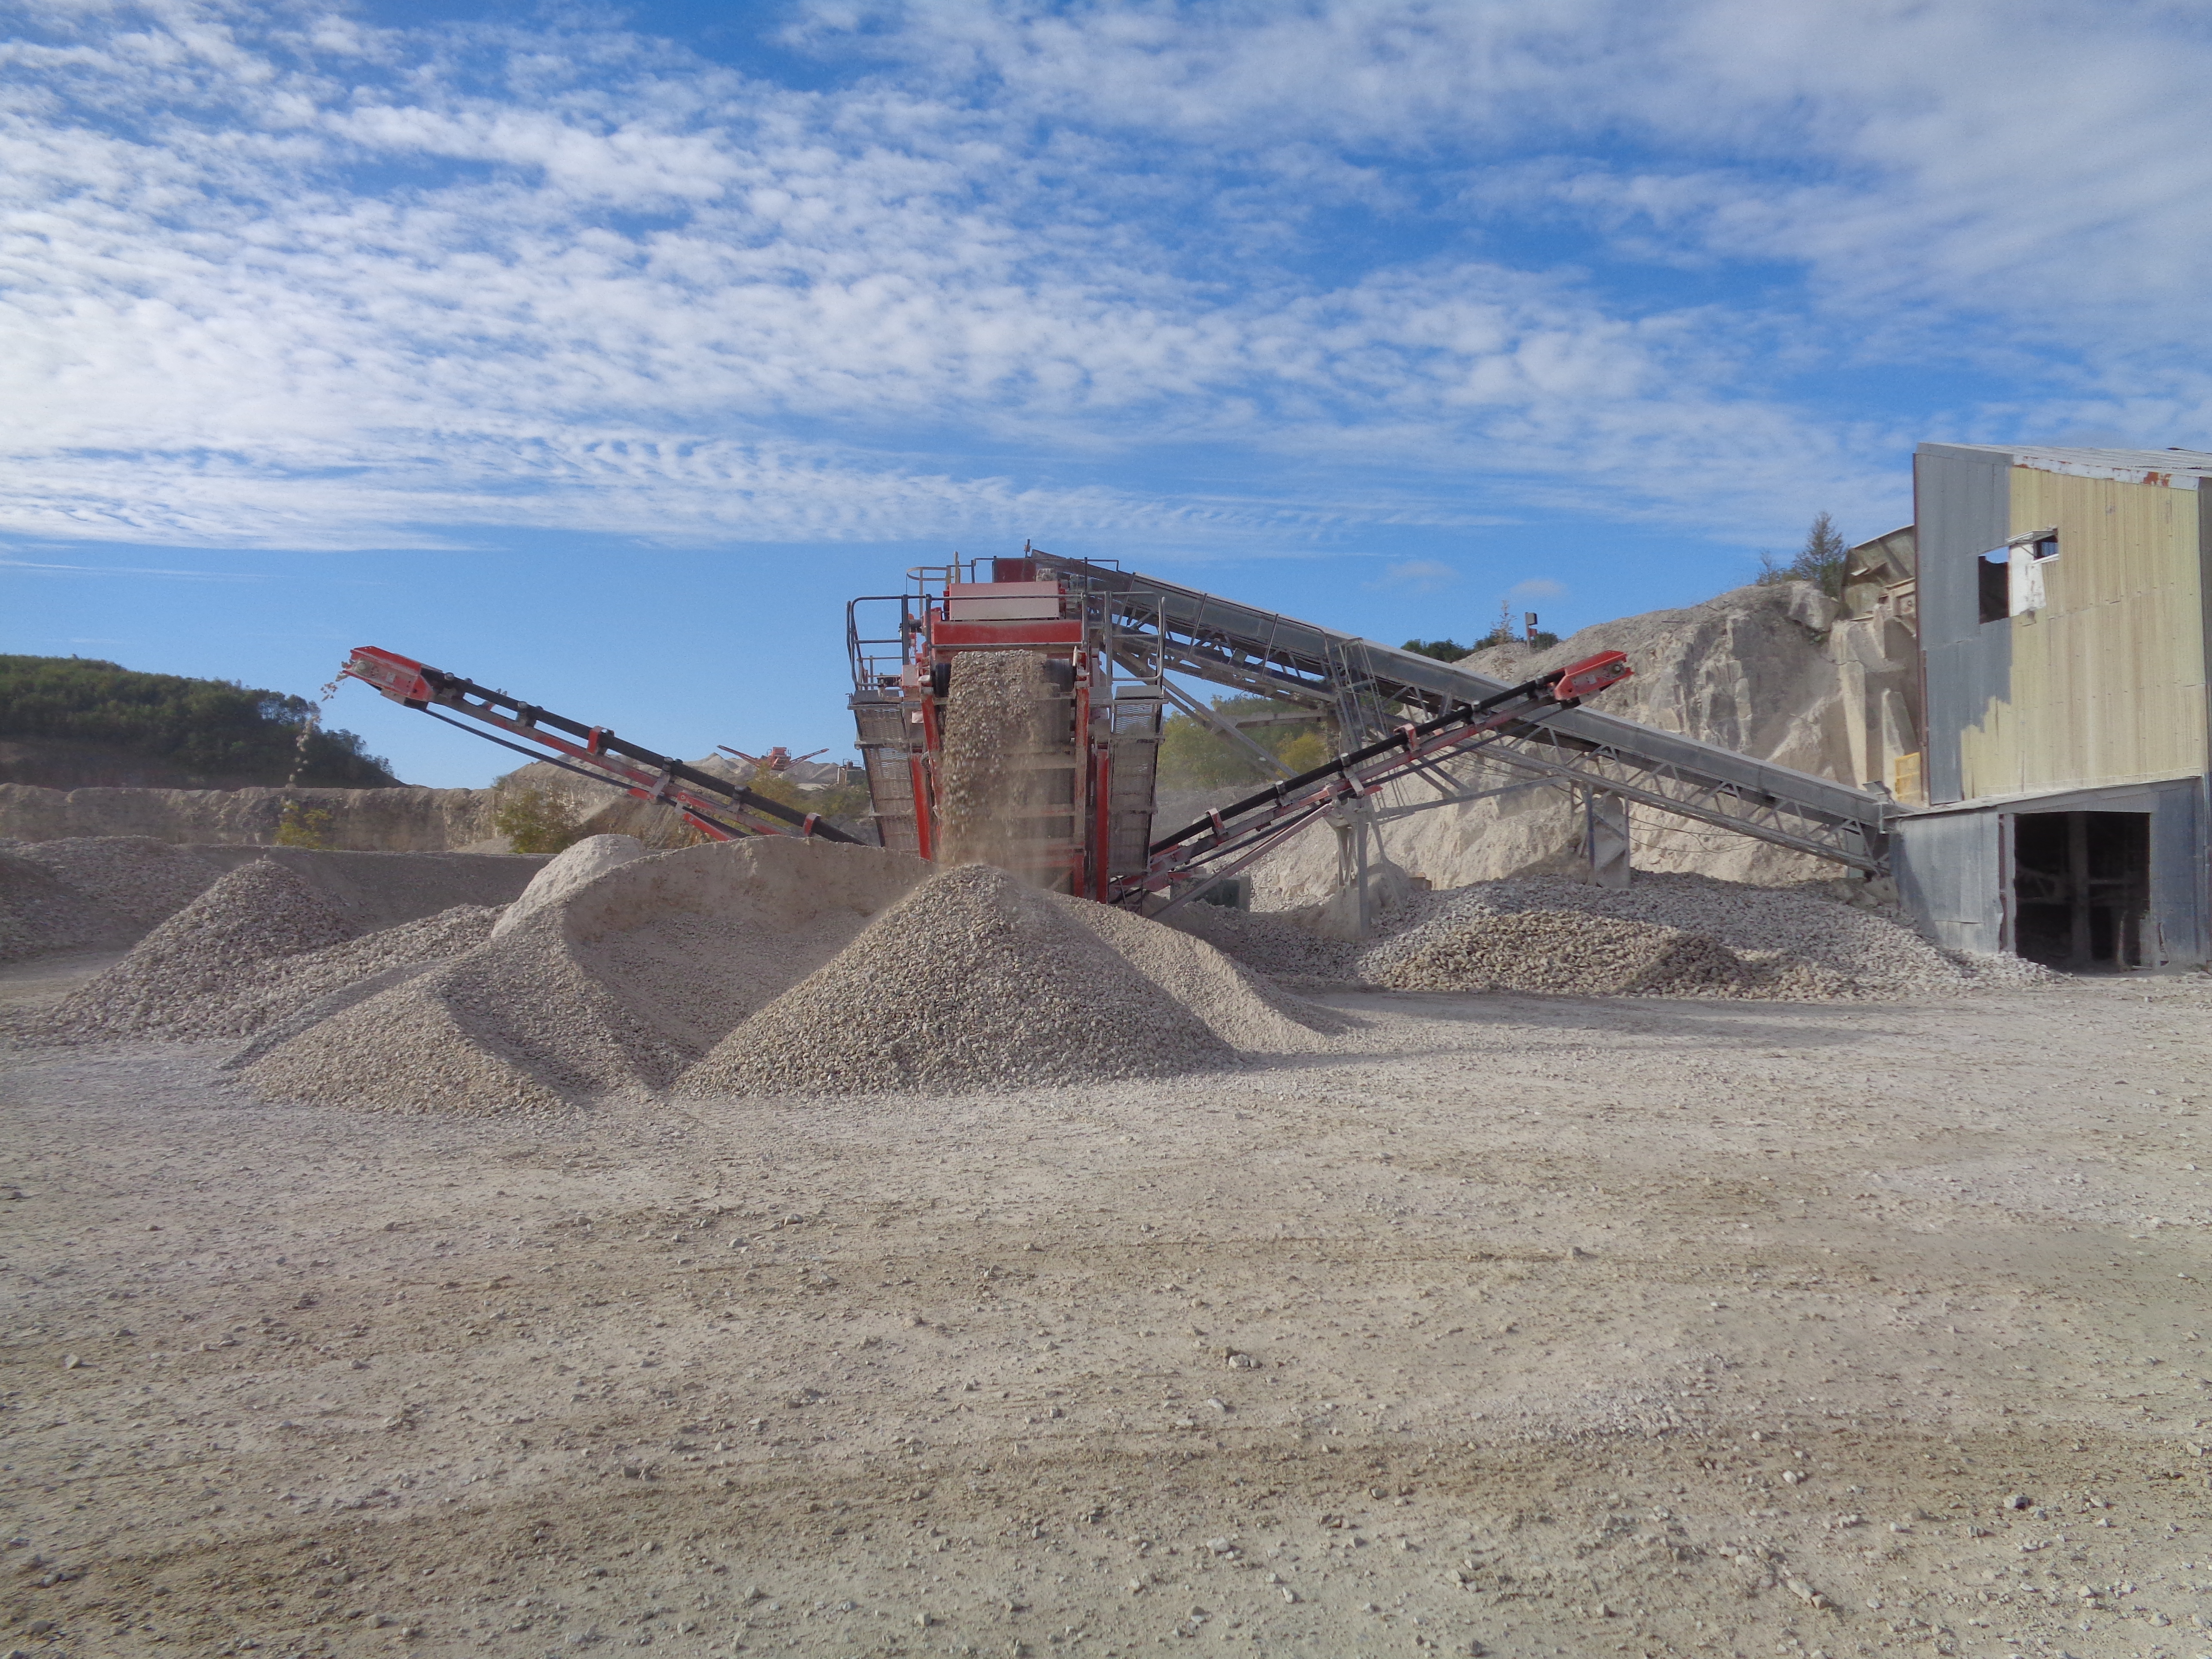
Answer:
(302, 825)
(218, 728)
(1441, 650)
(1194, 756)
(1820, 561)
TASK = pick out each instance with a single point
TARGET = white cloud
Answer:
(284, 279)
(1536, 587)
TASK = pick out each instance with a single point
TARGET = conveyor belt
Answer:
(1361, 684)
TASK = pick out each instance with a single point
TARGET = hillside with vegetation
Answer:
(75, 722)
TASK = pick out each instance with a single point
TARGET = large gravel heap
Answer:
(615, 985)
(780, 964)
(1576, 953)
(1795, 944)
(973, 981)
(1783, 943)
(92, 891)
(221, 945)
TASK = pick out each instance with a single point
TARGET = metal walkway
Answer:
(1363, 686)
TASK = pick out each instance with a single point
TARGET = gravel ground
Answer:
(972, 981)
(1573, 1326)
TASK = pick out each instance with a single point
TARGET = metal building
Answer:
(2064, 601)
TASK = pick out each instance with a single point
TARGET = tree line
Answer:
(214, 728)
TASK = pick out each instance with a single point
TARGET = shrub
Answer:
(536, 821)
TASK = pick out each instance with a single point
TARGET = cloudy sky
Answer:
(603, 353)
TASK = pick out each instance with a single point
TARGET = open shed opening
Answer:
(2081, 889)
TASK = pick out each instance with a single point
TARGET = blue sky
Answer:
(603, 353)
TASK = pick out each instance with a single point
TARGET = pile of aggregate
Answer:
(1271, 943)
(1244, 1008)
(609, 984)
(293, 984)
(218, 947)
(974, 980)
(1576, 953)
(1797, 944)
(91, 890)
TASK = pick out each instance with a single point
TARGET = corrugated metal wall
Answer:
(1962, 499)
(1950, 871)
(2107, 678)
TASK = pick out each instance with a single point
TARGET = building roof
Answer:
(2182, 468)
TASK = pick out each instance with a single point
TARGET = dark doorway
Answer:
(2080, 888)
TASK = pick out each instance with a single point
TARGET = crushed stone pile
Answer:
(620, 970)
(1788, 945)
(301, 982)
(216, 949)
(1241, 1007)
(1271, 943)
(92, 891)
(1800, 944)
(577, 867)
(1576, 953)
(614, 985)
(974, 980)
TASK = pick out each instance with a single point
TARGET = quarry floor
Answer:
(1531, 1325)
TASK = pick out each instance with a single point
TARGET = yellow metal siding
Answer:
(2108, 680)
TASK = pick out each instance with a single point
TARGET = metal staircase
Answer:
(1370, 689)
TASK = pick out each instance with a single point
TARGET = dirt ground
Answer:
(1532, 1326)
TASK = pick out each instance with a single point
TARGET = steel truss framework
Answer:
(1365, 687)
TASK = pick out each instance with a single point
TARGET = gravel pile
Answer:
(218, 947)
(573, 870)
(1277, 947)
(1243, 1008)
(91, 890)
(299, 983)
(614, 986)
(1802, 944)
(1575, 953)
(973, 981)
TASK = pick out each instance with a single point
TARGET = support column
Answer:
(1605, 837)
(2077, 884)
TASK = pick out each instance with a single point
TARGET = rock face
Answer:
(1766, 670)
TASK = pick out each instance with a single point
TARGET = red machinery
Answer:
(778, 759)
(717, 808)
(1229, 839)
(1084, 819)
(1089, 831)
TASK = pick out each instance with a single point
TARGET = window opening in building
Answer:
(1993, 572)
(2081, 889)
(2009, 578)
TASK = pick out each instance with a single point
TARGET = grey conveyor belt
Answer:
(1359, 681)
